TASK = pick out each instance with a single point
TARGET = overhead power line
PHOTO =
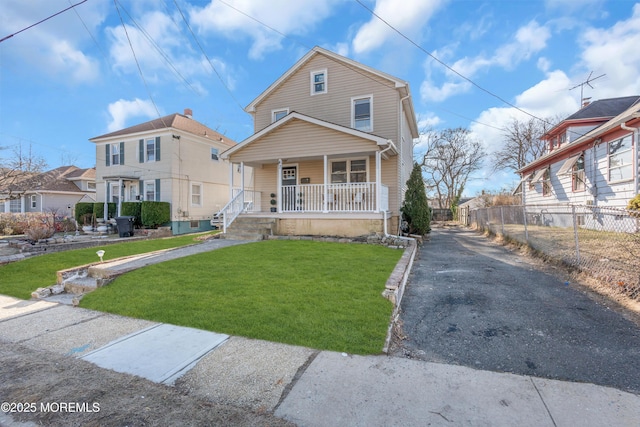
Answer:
(40, 22)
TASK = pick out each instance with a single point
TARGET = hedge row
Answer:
(147, 214)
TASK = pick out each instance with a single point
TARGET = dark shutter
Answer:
(157, 148)
(141, 150)
(141, 188)
(122, 153)
(157, 190)
(107, 154)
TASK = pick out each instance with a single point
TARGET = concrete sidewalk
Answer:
(312, 388)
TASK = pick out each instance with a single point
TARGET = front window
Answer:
(33, 201)
(151, 151)
(196, 194)
(279, 114)
(150, 191)
(115, 154)
(621, 159)
(115, 193)
(362, 114)
(318, 82)
(577, 175)
(349, 171)
(546, 183)
(15, 206)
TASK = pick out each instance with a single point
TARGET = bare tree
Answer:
(522, 143)
(21, 165)
(451, 156)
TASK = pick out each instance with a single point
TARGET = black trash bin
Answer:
(125, 225)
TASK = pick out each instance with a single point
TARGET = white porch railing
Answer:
(353, 197)
(242, 201)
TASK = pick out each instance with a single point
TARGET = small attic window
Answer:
(318, 82)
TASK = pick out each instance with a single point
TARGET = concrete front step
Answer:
(250, 228)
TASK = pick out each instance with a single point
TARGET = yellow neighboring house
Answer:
(171, 159)
(332, 149)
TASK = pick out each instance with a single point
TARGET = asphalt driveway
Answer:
(474, 303)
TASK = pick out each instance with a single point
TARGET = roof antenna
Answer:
(585, 101)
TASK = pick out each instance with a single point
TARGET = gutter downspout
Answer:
(400, 141)
(635, 162)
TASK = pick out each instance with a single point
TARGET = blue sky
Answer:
(74, 76)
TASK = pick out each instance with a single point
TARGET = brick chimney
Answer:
(188, 112)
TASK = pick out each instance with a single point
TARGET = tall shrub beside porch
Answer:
(415, 209)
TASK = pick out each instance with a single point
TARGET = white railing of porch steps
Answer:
(242, 201)
(352, 197)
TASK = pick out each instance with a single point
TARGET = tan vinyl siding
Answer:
(301, 139)
(343, 84)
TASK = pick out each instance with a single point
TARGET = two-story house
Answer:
(54, 191)
(332, 149)
(171, 159)
(591, 158)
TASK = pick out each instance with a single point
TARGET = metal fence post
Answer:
(575, 233)
(524, 220)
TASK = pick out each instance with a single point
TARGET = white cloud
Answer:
(122, 110)
(54, 47)
(614, 52)
(407, 16)
(284, 16)
(529, 39)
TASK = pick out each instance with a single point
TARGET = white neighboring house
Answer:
(171, 159)
(592, 158)
(57, 190)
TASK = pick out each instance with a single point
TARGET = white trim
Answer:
(197, 184)
(312, 82)
(278, 110)
(348, 161)
(353, 111)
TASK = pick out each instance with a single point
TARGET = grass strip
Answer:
(315, 294)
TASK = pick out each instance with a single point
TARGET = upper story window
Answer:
(214, 154)
(361, 113)
(278, 114)
(114, 154)
(621, 159)
(577, 175)
(149, 150)
(318, 82)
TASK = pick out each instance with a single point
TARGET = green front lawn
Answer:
(315, 294)
(20, 278)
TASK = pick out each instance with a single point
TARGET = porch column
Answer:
(242, 183)
(378, 179)
(105, 208)
(325, 208)
(230, 180)
(121, 191)
(279, 183)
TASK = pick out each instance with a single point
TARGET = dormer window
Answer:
(318, 82)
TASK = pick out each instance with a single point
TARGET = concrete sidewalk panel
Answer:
(13, 307)
(43, 322)
(588, 405)
(161, 353)
(246, 372)
(383, 391)
(81, 338)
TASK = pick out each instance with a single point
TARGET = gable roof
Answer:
(172, 121)
(401, 85)
(380, 141)
(54, 180)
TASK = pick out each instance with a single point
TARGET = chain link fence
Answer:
(604, 242)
